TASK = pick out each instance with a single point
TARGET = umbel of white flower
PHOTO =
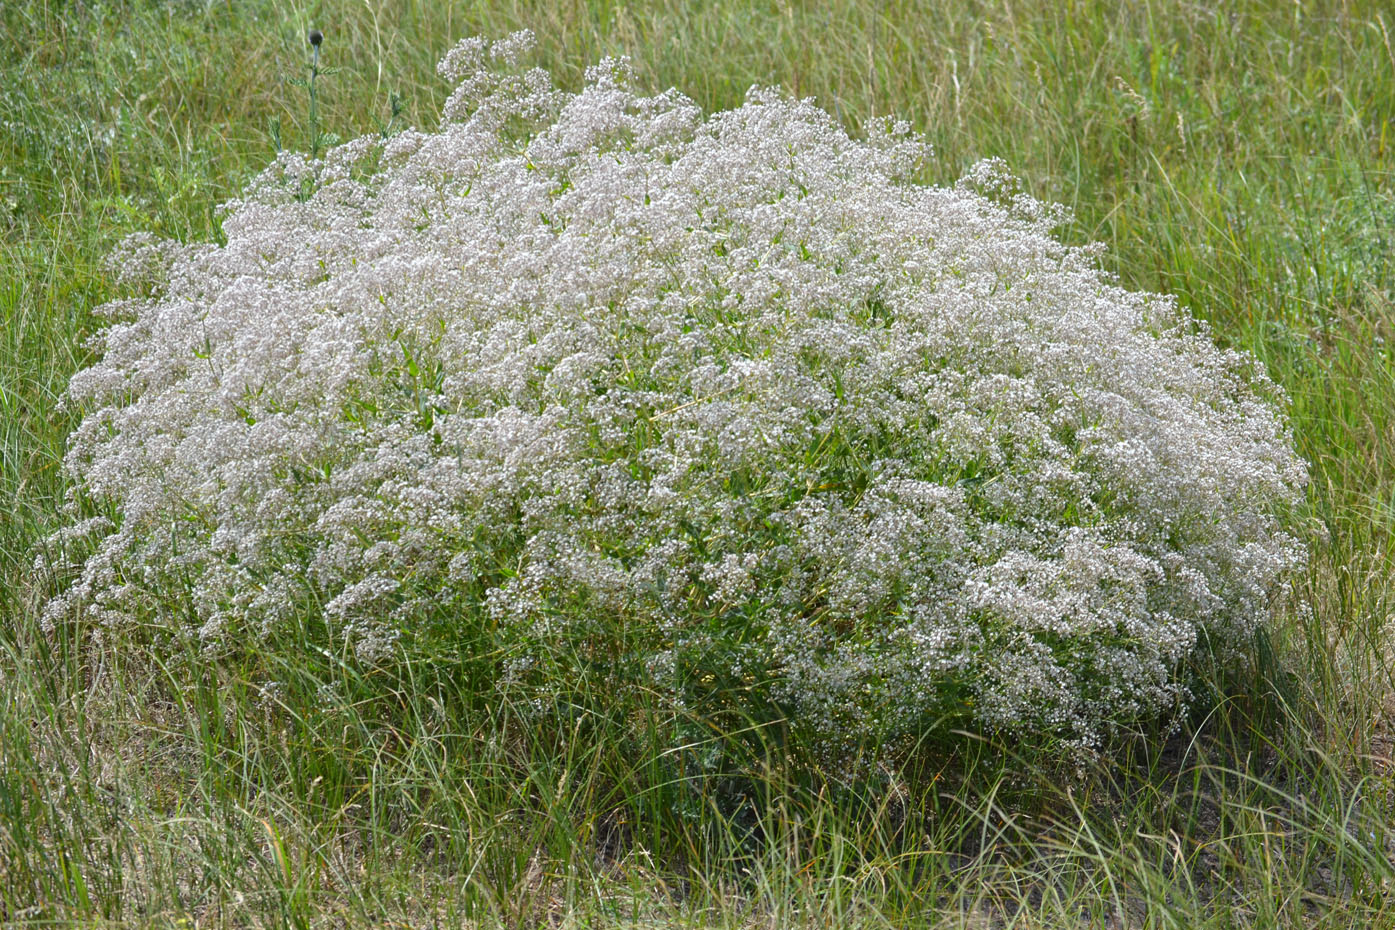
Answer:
(726, 392)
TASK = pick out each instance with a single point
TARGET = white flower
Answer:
(586, 359)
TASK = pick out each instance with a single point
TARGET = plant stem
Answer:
(314, 116)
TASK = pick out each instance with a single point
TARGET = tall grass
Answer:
(1240, 159)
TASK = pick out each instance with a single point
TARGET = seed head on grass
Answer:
(617, 391)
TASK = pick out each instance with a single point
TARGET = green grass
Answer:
(1241, 160)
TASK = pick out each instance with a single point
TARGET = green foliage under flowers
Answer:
(1239, 160)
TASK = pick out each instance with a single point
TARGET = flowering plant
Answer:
(699, 396)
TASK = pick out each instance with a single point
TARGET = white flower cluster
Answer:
(594, 368)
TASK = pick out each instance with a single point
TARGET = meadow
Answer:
(1237, 158)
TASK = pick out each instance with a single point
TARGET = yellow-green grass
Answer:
(1238, 158)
